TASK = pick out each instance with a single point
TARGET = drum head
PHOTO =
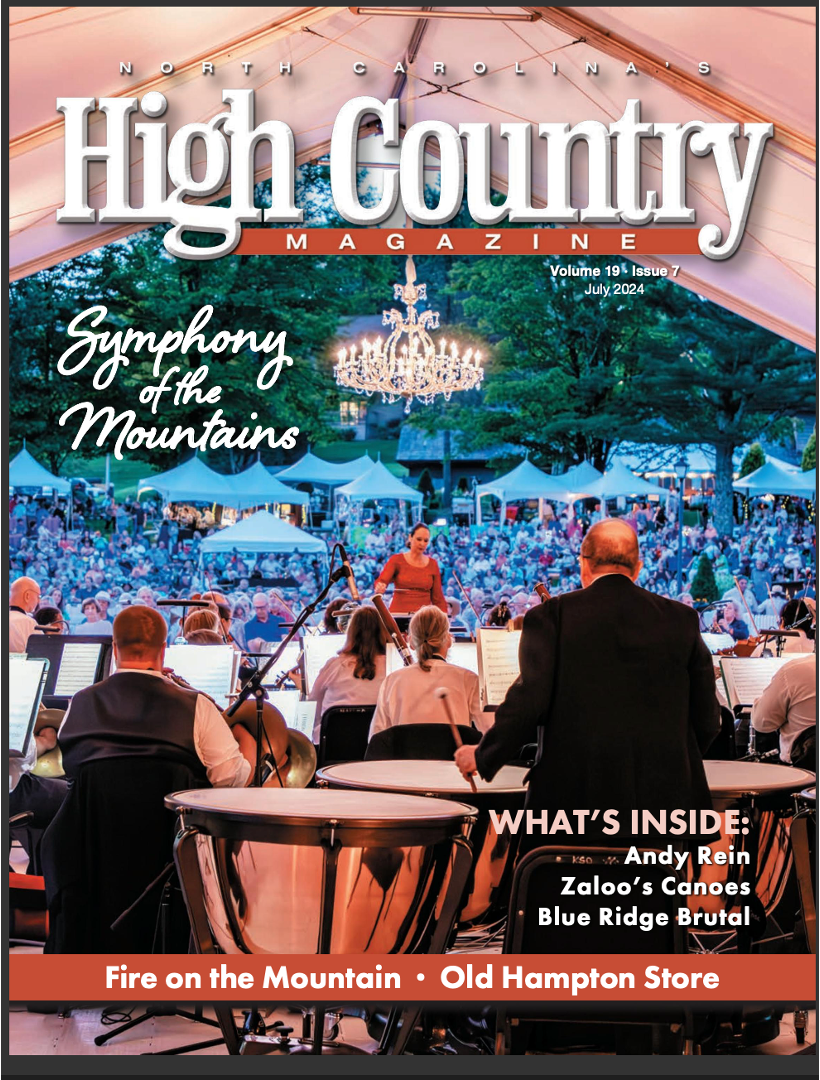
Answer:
(295, 806)
(754, 778)
(810, 794)
(433, 777)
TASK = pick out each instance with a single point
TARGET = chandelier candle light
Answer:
(414, 367)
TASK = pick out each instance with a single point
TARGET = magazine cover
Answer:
(411, 431)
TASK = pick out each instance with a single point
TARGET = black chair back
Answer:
(418, 742)
(109, 841)
(343, 733)
(539, 882)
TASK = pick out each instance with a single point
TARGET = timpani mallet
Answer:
(442, 694)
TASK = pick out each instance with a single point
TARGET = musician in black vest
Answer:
(126, 743)
(617, 689)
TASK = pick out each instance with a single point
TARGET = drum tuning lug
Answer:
(254, 1024)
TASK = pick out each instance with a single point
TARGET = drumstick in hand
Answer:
(442, 694)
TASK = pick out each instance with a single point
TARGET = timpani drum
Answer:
(488, 890)
(765, 795)
(319, 871)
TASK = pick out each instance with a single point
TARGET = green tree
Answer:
(704, 587)
(809, 460)
(753, 459)
(710, 376)
(561, 374)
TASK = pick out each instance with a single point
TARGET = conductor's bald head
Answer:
(610, 547)
(139, 637)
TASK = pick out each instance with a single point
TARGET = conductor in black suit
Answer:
(617, 687)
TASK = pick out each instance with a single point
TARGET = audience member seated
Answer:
(93, 622)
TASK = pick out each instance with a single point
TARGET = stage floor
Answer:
(38, 1034)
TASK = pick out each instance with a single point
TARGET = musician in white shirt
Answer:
(408, 696)
(355, 676)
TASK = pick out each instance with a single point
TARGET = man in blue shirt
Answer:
(264, 626)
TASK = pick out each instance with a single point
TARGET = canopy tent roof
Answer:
(618, 480)
(525, 481)
(579, 476)
(263, 531)
(378, 484)
(311, 469)
(193, 481)
(771, 279)
(25, 471)
(256, 486)
(770, 479)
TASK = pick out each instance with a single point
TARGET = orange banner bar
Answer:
(575, 241)
(457, 978)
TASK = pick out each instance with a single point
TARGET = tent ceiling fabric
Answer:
(771, 279)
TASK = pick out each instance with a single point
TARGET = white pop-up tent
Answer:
(579, 477)
(526, 481)
(377, 485)
(771, 479)
(25, 471)
(264, 532)
(618, 480)
(762, 73)
(257, 487)
(311, 469)
(193, 481)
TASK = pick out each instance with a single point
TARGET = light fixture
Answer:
(408, 363)
(680, 468)
(496, 16)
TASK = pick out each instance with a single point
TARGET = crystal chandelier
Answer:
(408, 363)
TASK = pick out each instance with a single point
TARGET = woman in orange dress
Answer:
(416, 576)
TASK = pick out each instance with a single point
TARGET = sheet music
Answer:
(208, 668)
(78, 668)
(462, 654)
(319, 648)
(26, 680)
(287, 702)
(497, 663)
(304, 718)
(745, 678)
(288, 660)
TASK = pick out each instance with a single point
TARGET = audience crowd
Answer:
(89, 568)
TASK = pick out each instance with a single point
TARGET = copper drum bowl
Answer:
(764, 794)
(488, 889)
(320, 871)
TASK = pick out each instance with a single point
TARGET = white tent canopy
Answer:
(311, 469)
(770, 479)
(257, 487)
(378, 484)
(193, 481)
(25, 471)
(263, 532)
(763, 74)
(618, 480)
(526, 481)
(579, 476)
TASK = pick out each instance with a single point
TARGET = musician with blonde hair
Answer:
(409, 696)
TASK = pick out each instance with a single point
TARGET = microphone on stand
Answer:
(542, 592)
(348, 572)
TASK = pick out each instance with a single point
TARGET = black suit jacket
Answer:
(617, 687)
